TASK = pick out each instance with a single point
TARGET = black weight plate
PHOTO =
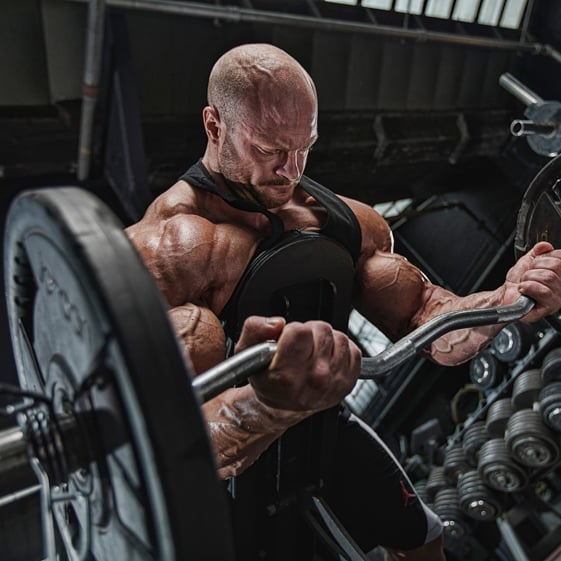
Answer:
(90, 330)
(539, 217)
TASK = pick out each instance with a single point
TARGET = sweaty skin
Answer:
(261, 122)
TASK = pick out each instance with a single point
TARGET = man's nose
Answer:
(292, 167)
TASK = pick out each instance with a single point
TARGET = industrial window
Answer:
(496, 13)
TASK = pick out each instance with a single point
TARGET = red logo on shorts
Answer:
(406, 494)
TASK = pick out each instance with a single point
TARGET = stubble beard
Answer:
(240, 182)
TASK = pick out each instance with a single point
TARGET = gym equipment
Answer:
(529, 441)
(455, 463)
(474, 437)
(512, 342)
(235, 370)
(476, 499)
(498, 470)
(550, 405)
(486, 371)
(436, 481)
(498, 415)
(526, 389)
(448, 509)
(107, 420)
(108, 416)
(551, 366)
(539, 217)
(542, 126)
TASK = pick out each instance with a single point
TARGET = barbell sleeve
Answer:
(521, 127)
(519, 90)
(239, 367)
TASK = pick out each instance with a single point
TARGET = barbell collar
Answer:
(236, 369)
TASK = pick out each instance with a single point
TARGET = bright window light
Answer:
(465, 10)
(372, 340)
(512, 15)
(392, 208)
(409, 6)
(490, 12)
(377, 4)
(361, 396)
(487, 12)
(438, 8)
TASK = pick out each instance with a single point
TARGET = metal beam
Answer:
(236, 14)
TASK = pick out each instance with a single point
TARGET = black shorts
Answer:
(371, 494)
(363, 485)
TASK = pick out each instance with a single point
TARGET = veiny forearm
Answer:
(241, 428)
(461, 345)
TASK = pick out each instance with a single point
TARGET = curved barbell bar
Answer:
(236, 369)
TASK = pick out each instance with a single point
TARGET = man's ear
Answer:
(212, 123)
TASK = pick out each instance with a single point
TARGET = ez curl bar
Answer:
(108, 423)
(239, 367)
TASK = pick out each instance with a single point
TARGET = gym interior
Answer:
(444, 115)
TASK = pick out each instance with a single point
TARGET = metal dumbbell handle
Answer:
(239, 367)
(519, 90)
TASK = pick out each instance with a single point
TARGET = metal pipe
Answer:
(511, 539)
(90, 86)
(519, 90)
(235, 14)
(19, 495)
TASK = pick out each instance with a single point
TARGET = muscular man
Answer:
(198, 239)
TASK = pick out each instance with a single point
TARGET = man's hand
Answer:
(538, 276)
(314, 368)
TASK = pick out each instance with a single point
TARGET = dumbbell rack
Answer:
(476, 498)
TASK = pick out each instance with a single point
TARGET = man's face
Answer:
(263, 155)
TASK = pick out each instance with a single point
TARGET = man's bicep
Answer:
(391, 292)
(200, 335)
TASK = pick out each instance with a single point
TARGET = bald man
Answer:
(247, 205)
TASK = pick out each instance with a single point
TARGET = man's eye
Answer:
(267, 152)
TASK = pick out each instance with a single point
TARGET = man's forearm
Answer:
(241, 428)
(460, 345)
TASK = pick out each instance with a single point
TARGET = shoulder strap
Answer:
(342, 224)
(198, 176)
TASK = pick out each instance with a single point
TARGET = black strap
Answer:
(342, 224)
(198, 176)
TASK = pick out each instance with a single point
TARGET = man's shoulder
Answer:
(373, 225)
(178, 200)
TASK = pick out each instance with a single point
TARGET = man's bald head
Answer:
(253, 76)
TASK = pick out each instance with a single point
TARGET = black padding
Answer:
(305, 276)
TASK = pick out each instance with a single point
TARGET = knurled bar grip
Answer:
(239, 367)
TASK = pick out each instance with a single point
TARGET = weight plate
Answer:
(90, 331)
(539, 217)
(547, 112)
